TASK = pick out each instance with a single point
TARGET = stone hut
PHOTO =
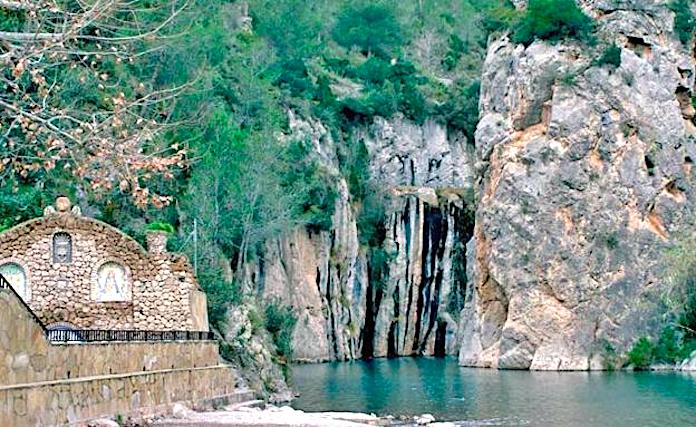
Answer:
(78, 272)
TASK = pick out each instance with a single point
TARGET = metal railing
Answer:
(100, 335)
(96, 335)
(5, 284)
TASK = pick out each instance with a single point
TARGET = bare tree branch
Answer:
(108, 143)
(18, 5)
(30, 37)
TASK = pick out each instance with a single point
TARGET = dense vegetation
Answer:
(684, 20)
(678, 339)
(167, 115)
(552, 20)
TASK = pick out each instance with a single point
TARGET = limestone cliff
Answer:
(327, 277)
(584, 175)
(582, 172)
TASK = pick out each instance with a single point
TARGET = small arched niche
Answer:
(62, 248)
(111, 283)
(17, 277)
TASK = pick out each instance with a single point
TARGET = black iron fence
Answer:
(64, 334)
(94, 335)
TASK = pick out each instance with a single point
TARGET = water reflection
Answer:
(415, 386)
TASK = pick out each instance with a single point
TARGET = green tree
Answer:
(681, 293)
(684, 20)
(553, 20)
(373, 28)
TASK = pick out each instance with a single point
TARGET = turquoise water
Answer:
(409, 386)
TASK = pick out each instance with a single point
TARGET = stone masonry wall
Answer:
(43, 384)
(66, 282)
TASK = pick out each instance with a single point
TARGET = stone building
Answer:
(78, 272)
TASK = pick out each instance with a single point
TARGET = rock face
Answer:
(688, 364)
(584, 174)
(250, 351)
(403, 153)
(343, 310)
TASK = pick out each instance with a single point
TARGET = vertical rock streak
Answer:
(347, 306)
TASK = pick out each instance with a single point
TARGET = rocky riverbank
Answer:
(246, 415)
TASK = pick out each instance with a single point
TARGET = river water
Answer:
(410, 386)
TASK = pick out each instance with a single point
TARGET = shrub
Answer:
(612, 240)
(356, 166)
(280, 321)
(681, 295)
(641, 354)
(611, 56)
(374, 70)
(498, 15)
(220, 293)
(568, 78)
(672, 346)
(388, 89)
(455, 50)
(256, 320)
(687, 317)
(553, 20)
(461, 110)
(312, 183)
(294, 77)
(160, 226)
(372, 218)
(684, 20)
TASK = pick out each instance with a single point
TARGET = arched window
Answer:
(62, 248)
(111, 283)
(15, 274)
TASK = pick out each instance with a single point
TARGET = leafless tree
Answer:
(110, 139)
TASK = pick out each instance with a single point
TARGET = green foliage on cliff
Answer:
(611, 56)
(499, 15)
(677, 340)
(553, 20)
(371, 27)
(220, 294)
(672, 346)
(279, 321)
(681, 295)
(641, 354)
(684, 20)
(462, 112)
